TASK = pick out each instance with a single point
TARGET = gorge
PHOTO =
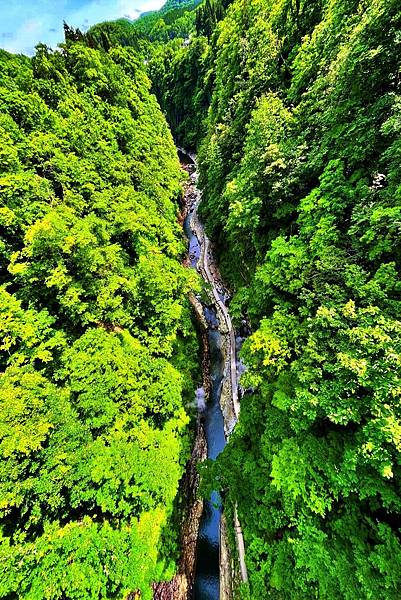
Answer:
(111, 330)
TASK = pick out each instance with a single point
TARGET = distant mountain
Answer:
(175, 19)
(179, 3)
(170, 5)
(174, 3)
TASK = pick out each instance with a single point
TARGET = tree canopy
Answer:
(294, 108)
(94, 322)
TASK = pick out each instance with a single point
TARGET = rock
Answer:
(226, 563)
(181, 586)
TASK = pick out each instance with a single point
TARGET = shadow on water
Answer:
(207, 577)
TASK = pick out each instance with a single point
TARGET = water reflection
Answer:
(207, 582)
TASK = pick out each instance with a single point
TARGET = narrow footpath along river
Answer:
(220, 412)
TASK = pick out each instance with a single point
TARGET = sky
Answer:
(25, 23)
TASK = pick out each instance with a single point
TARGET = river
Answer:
(220, 412)
(207, 574)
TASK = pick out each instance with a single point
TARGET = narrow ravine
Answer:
(220, 413)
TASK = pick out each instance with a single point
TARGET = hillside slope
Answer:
(294, 107)
(95, 328)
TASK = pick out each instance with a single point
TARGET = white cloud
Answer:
(150, 5)
(42, 20)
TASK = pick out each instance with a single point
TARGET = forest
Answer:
(96, 330)
(294, 110)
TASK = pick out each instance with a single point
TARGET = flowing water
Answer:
(207, 577)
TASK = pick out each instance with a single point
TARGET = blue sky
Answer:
(24, 23)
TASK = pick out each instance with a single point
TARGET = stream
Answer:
(208, 566)
(220, 411)
(207, 574)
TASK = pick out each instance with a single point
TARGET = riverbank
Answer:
(229, 400)
(206, 568)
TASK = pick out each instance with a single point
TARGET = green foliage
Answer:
(94, 323)
(175, 20)
(176, 72)
(207, 15)
(295, 109)
(85, 559)
(298, 136)
(175, 65)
